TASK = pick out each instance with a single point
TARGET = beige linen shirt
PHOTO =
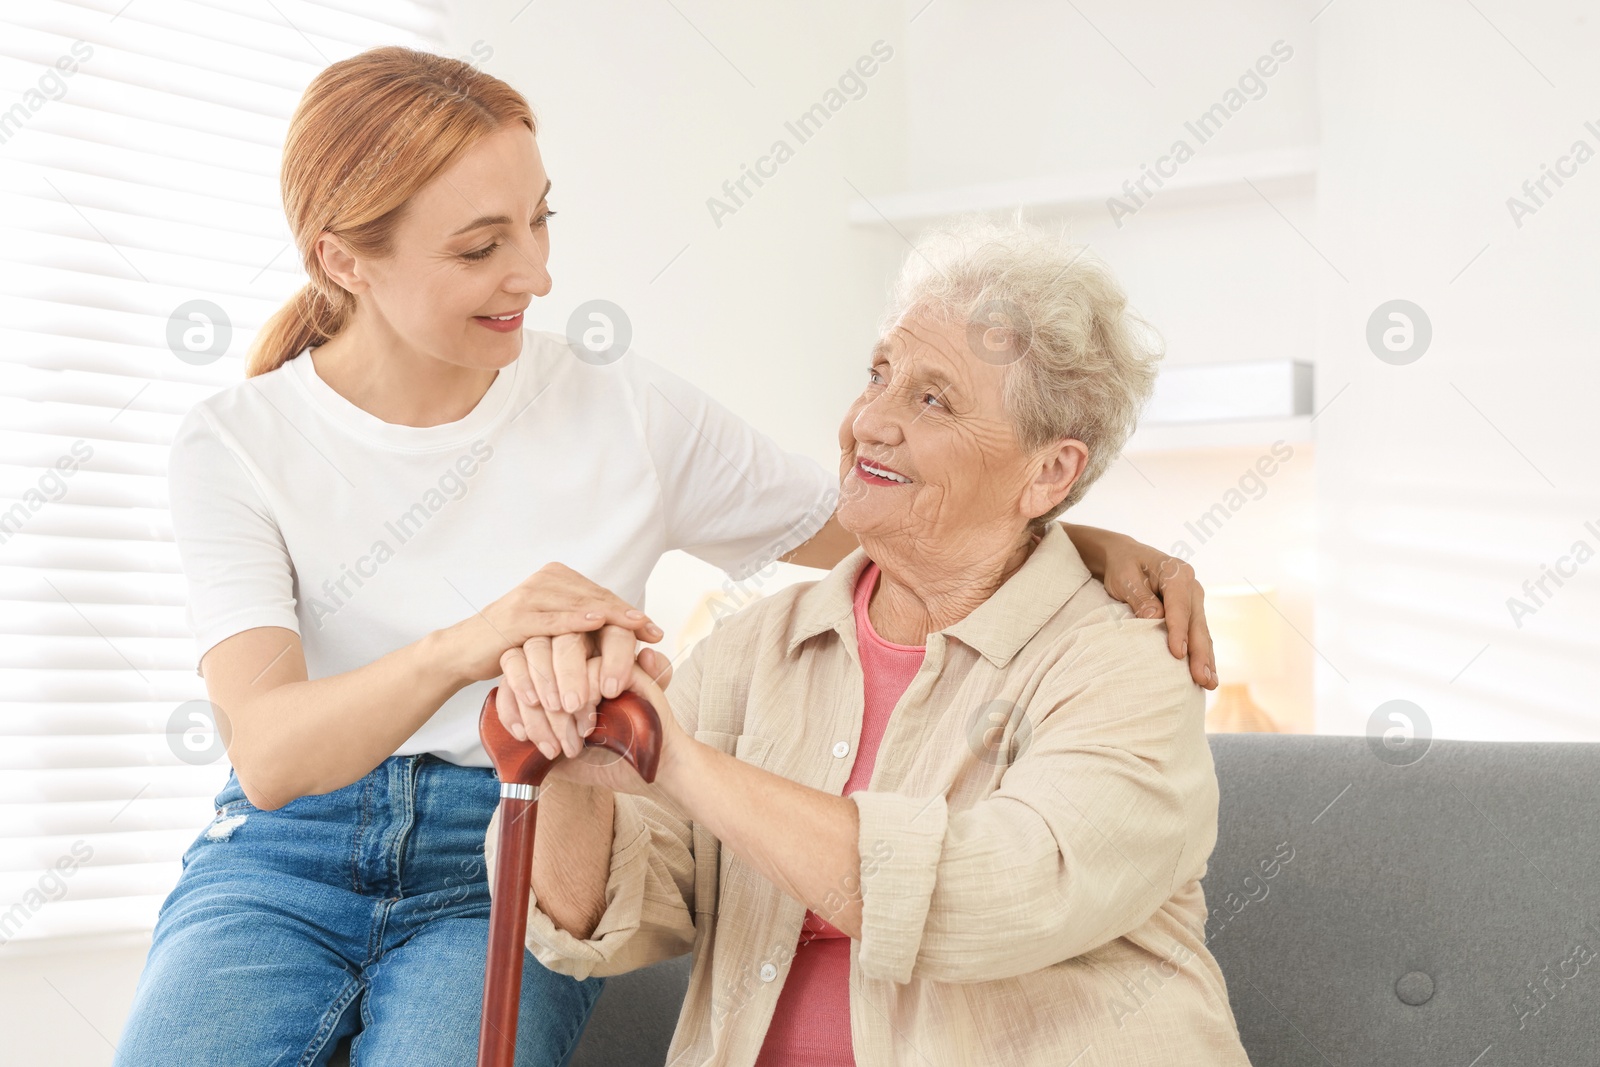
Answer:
(1032, 841)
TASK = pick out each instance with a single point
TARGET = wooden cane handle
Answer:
(626, 724)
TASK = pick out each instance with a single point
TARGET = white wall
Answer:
(645, 115)
(1446, 483)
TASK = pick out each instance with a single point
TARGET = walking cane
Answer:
(626, 724)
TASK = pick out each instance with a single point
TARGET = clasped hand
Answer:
(557, 723)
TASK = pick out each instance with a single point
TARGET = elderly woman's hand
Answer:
(1154, 585)
(561, 731)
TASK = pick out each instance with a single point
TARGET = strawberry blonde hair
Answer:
(370, 131)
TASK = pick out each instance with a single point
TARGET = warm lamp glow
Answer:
(1246, 632)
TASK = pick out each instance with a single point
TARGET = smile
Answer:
(872, 473)
(500, 323)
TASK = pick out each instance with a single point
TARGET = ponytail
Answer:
(307, 319)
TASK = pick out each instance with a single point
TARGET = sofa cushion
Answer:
(1367, 910)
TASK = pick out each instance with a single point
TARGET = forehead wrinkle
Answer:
(948, 369)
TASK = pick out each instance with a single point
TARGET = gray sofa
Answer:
(1442, 912)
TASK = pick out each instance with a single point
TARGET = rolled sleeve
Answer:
(900, 843)
(649, 897)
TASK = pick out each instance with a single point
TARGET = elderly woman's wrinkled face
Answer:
(929, 452)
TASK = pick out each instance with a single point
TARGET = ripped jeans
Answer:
(362, 911)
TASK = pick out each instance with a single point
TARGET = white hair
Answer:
(1080, 362)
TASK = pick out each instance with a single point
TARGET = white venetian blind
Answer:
(139, 153)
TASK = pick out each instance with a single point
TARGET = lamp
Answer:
(1245, 633)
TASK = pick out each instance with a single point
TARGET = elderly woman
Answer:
(950, 804)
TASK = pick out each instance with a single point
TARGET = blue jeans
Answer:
(362, 911)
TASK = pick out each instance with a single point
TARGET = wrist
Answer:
(442, 657)
(681, 762)
(1092, 544)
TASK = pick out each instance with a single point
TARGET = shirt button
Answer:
(768, 972)
(842, 749)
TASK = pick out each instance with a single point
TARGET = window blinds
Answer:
(139, 152)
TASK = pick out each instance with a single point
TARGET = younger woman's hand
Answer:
(553, 621)
(1154, 585)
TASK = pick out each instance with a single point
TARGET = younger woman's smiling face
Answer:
(929, 452)
(471, 244)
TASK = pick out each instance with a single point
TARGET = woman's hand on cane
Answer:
(593, 766)
(553, 619)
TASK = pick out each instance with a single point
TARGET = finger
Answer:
(1177, 593)
(537, 726)
(616, 659)
(645, 686)
(570, 655)
(542, 670)
(657, 666)
(505, 706)
(1133, 588)
(524, 721)
(587, 717)
(617, 611)
(589, 618)
(621, 613)
(565, 730)
(514, 665)
(1202, 654)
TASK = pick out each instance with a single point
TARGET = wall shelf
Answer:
(1232, 433)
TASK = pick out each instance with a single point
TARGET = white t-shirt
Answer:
(293, 507)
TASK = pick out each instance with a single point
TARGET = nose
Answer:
(529, 270)
(880, 420)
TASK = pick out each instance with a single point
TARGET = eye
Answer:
(485, 252)
(934, 400)
(873, 376)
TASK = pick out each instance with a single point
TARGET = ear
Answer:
(1056, 468)
(339, 262)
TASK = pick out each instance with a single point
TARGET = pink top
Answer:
(811, 1023)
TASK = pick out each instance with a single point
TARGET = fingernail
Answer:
(549, 750)
(530, 698)
(610, 687)
(519, 733)
(571, 702)
(1183, 648)
(635, 613)
(594, 615)
(587, 730)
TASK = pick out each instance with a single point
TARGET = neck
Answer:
(397, 384)
(923, 586)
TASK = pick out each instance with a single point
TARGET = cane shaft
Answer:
(626, 725)
(508, 928)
